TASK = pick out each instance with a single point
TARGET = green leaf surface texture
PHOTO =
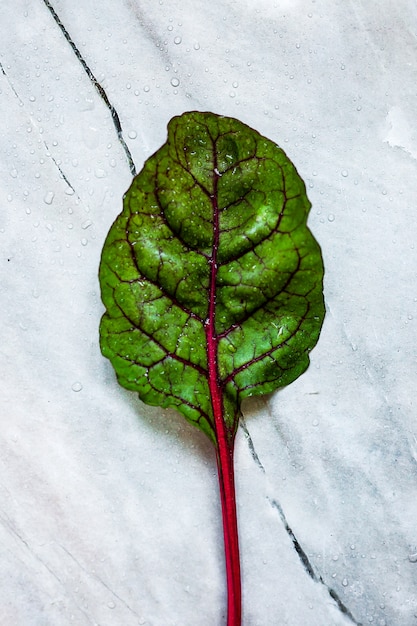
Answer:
(210, 277)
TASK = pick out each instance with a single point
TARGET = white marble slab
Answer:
(109, 510)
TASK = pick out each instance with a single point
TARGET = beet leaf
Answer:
(212, 284)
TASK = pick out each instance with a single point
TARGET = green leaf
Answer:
(211, 279)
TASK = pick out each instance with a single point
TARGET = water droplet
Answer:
(77, 386)
(146, 88)
(412, 557)
(316, 422)
(99, 173)
(177, 40)
(49, 197)
(196, 46)
(345, 173)
(13, 173)
(343, 66)
(345, 582)
(86, 224)
(331, 217)
(132, 134)
(84, 241)
(111, 605)
(175, 82)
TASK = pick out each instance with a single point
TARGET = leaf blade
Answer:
(210, 275)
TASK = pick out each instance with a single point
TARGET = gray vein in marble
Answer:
(10, 83)
(250, 444)
(96, 85)
(10, 528)
(152, 34)
(296, 544)
(34, 124)
(308, 566)
(148, 27)
(100, 580)
(150, 31)
(64, 178)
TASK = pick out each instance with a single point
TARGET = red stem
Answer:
(224, 453)
(230, 530)
(224, 438)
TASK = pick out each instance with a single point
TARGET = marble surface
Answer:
(109, 510)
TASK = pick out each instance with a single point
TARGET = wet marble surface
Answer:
(109, 511)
